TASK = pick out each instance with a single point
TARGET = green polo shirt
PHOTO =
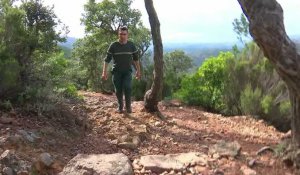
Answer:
(122, 55)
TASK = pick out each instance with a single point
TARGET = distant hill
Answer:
(68, 46)
(295, 38)
(199, 51)
(69, 43)
(67, 51)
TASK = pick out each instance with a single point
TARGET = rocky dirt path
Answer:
(186, 141)
(184, 130)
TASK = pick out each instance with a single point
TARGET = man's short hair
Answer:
(123, 28)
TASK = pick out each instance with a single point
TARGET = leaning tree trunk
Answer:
(152, 96)
(267, 28)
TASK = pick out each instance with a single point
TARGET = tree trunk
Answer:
(295, 101)
(267, 29)
(152, 96)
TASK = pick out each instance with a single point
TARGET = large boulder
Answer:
(177, 162)
(46, 164)
(247, 171)
(225, 149)
(106, 164)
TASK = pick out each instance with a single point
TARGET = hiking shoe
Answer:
(128, 111)
(119, 111)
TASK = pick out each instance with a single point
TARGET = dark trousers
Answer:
(122, 83)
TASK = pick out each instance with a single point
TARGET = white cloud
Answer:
(291, 11)
(194, 21)
(70, 13)
(190, 20)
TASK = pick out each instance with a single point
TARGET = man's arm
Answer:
(136, 63)
(138, 69)
(104, 71)
(106, 61)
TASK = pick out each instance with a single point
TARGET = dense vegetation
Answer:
(33, 69)
(239, 83)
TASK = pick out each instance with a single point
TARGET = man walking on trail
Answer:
(122, 52)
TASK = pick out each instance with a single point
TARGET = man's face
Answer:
(123, 35)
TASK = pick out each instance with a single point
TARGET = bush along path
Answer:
(90, 138)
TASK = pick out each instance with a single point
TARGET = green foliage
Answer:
(267, 103)
(258, 89)
(6, 105)
(90, 52)
(139, 88)
(11, 31)
(141, 36)
(32, 67)
(176, 63)
(9, 72)
(190, 92)
(54, 82)
(77, 74)
(68, 90)
(285, 108)
(109, 15)
(243, 83)
(250, 100)
(241, 28)
(56, 68)
(41, 28)
(281, 148)
(206, 87)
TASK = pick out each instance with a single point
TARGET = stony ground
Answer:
(97, 129)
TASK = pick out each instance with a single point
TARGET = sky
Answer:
(183, 21)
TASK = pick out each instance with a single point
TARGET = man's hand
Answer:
(138, 75)
(104, 76)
